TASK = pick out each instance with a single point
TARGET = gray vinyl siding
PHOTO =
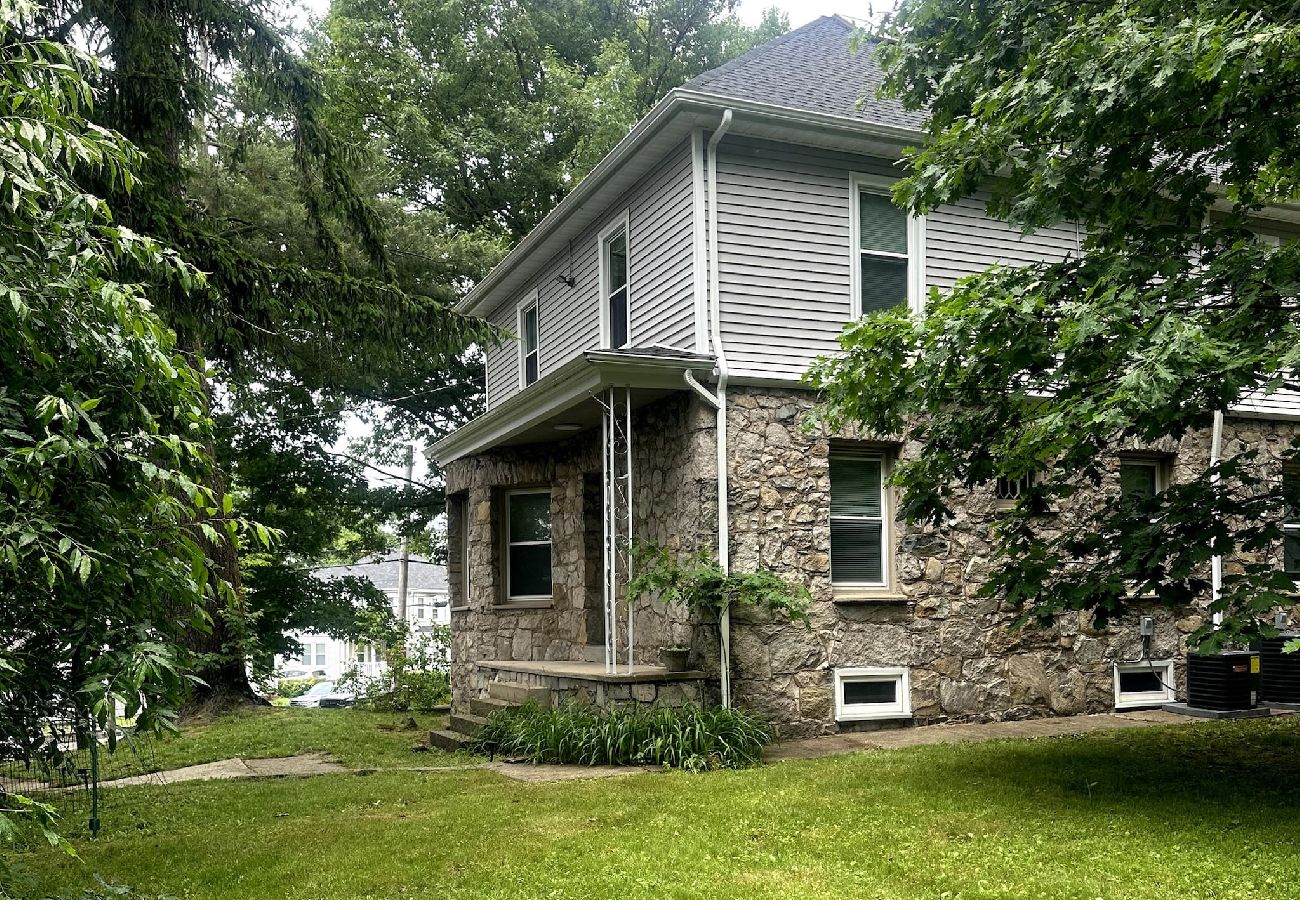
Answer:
(660, 273)
(784, 261)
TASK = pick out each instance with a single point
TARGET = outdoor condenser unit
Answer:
(1221, 680)
(1279, 673)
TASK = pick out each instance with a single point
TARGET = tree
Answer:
(1161, 132)
(104, 428)
(319, 324)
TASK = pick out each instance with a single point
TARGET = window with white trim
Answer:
(528, 545)
(1291, 522)
(1140, 478)
(872, 692)
(1148, 682)
(615, 284)
(859, 519)
(1008, 491)
(888, 249)
(528, 342)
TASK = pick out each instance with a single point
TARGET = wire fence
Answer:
(77, 767)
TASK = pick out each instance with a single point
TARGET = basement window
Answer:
(1008, 491)
(872, 692)
(1149, 682)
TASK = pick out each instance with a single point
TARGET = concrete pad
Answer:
(1182, 709)
(543, 773)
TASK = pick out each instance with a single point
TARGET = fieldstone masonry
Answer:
(965, 661)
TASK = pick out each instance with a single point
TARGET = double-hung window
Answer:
(1140, 478)
(528, 341)
(859, 532)
(528, 545)
(888, 249)
(614, 284)
(1291, 523)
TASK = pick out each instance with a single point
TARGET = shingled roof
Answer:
(812, 68)
(422, 575)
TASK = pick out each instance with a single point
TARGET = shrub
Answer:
(680, 737)
(414, 677)
(294, 687)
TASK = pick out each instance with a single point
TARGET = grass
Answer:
(1201, 811)
(356, 738)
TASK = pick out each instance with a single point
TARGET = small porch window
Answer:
(528, 342)
(1146, 683)
(872, 692)
(859, 530)
(528, 545)
(615, 284)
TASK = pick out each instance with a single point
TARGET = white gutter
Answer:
(720, 362)
(1216, 563)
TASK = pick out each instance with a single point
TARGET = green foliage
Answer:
(414, 677)
(1162, 139)
(288, 688)
(700, 584)
(679, 737)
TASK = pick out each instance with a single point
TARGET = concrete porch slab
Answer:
(589, 671)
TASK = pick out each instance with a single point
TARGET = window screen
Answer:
(857, 519)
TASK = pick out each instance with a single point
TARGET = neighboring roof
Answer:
(813, 68)
(422, 574)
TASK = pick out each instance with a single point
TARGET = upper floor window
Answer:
(859, 532)
(888, 249)
(528, 545)
(528, 341)
(614, 284)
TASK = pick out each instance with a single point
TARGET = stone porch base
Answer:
(588, 682)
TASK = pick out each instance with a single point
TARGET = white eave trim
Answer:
(578, 380)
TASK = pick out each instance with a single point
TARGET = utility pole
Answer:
(404, 565)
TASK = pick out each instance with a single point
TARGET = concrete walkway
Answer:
(894, 738)
(237, 767)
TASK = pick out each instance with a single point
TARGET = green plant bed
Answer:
(679, 737)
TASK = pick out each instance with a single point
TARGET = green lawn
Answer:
(356, 738)
(1203, 811)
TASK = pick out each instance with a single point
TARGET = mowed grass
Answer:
(1200, 811)
(356, 738)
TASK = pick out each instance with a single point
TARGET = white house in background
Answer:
(426, 606)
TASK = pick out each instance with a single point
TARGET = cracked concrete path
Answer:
(238, 767)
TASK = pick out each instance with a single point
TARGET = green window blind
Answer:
(1137, 481)
(882, 226)
(882, 247)
(857, 520)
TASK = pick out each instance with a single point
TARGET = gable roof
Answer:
(422, 575)
(813, 68)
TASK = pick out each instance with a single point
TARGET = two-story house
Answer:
(665, 312)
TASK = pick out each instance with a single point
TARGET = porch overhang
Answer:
(564, 402)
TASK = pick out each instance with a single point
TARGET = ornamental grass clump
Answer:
(678, 737)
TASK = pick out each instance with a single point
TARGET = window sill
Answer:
(546, 603)
(460, 609)
(873, 716)
(852, 595)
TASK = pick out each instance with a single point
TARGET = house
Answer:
(665, 312)
(426, 605)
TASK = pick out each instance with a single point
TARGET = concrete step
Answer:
(466, 723)
(486, 706)
(450, 740)
(518, 694)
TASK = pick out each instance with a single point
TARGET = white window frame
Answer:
(1164, 668)
(622, 222)
(1152, 462)
(901, 708)
(886, 514)
(860, 182)
(1025, 482)
(509, 543)
(1289, 529)
(533, 302)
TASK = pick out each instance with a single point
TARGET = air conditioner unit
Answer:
(1221, 681)
(1279, 673)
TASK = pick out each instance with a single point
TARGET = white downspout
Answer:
(720, 357)
(1216, 563)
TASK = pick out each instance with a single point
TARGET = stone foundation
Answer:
(965, 661)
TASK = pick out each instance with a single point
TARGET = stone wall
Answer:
(965, 660)
(674, 503)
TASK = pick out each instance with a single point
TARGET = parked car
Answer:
(324, 694)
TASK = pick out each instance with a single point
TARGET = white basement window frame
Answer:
(910, 249)
(528, 325)
(521, 545)
(615, 285)
(1008, 491)
(1158, 689)
(861, 694)
(850, 514)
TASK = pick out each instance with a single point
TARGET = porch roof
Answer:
(564, 401)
